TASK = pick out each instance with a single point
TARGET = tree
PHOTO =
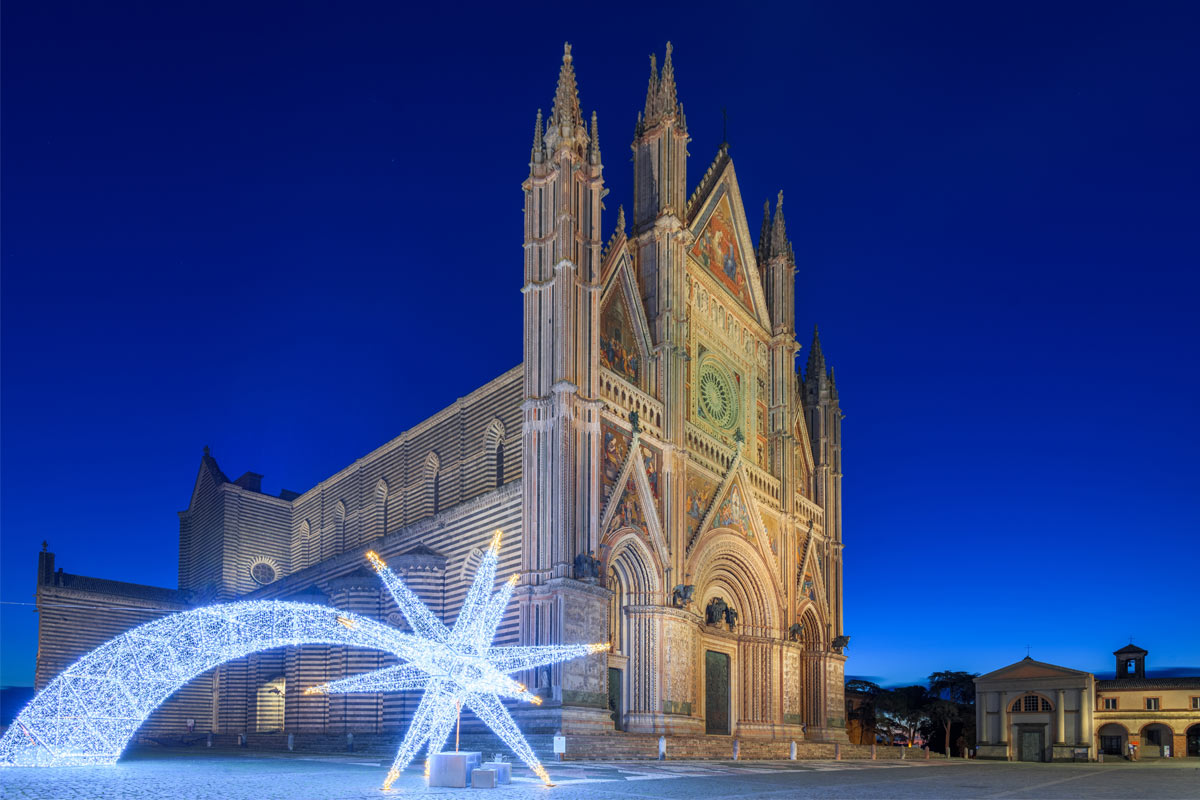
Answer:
(905, 707)
(954, 702)
(861, 700)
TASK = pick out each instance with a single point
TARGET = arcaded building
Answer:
(1033, 711)
(667, 479)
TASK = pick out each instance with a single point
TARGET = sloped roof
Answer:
(1028, 668)
(1130, 649)
(139, 591)
(1148, 683)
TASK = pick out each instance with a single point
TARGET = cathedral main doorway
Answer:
(716, 692)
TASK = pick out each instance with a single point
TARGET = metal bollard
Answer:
(873, 753)
(837, 751)
(209, 743)
(737, 747)
(350, 742)
(241, 740)
(662, 748)
(793, 754)
(291, 742)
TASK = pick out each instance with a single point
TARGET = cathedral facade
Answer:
(668, 481)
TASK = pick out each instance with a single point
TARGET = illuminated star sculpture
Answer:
(457, 666)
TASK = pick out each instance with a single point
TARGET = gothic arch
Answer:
(725, 565)
(381, 509)
(631, 572)
(306, 553)
(433, 483)
(493, 453)
(90, 711)
(339, 528)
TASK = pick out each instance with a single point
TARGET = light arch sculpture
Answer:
(90, 711)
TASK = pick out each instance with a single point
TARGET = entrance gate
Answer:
(1031, 746)
(614, 698)
(716, 692)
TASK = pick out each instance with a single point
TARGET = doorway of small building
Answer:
(716, 692)
(614, 698)
(1156, 737)
(1193, 741)
(269, 707)
(1112, 739)
(1031, 743)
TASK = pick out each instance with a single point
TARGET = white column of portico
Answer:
(1085, 718)
(1060, 720)
(1003, 726)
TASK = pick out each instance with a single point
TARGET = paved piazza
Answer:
(294, 777)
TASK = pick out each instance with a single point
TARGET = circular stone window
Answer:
(718, 397)
(262, 572)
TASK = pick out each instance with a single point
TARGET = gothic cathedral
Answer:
(675, 481)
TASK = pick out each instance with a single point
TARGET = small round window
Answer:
(262, 572)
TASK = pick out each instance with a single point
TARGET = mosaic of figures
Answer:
(650, 464)
(628, 513)
(698, 497)
(808, 588)
(618, 349)
(717, 250)
(614, 448)
(734, 513)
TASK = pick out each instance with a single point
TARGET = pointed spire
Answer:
(652, 88)
(779, 240)
(667, 89)
(594, 152)
(662, 94)
(816, 359)
(566, 96)
(539, 146)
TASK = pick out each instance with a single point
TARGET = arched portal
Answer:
(1193, 741)
(741, 679)
(1114, 739)
(1156, 738)
(631, 574)
(90, 711)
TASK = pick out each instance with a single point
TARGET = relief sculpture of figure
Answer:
(796, 631)
(681, 595)
(731, 616)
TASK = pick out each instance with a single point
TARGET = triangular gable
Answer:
(1028, 668)
(614, 452)
(634, 504)
(733, 512)
(698, 498)
(624, 333)
(722, 246)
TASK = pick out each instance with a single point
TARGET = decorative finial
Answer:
(46, 544)
(565, 110)
(539, 147)
(595, 143)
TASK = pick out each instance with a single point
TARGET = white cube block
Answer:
(483, 779)
(503, 770)
(453, 769)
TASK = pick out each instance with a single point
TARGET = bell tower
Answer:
(561, 411)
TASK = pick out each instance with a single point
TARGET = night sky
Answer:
(291, 232)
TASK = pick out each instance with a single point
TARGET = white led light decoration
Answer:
(90, 711)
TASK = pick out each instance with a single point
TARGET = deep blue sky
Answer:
(290, 232)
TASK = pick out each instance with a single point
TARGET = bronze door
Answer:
(716, 693)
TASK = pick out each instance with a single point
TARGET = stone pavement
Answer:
(250, 776)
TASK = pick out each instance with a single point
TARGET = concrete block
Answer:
(453, 769)
(503, 770)
(483, 779)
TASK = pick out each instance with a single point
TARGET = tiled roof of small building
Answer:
(1148, 683)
